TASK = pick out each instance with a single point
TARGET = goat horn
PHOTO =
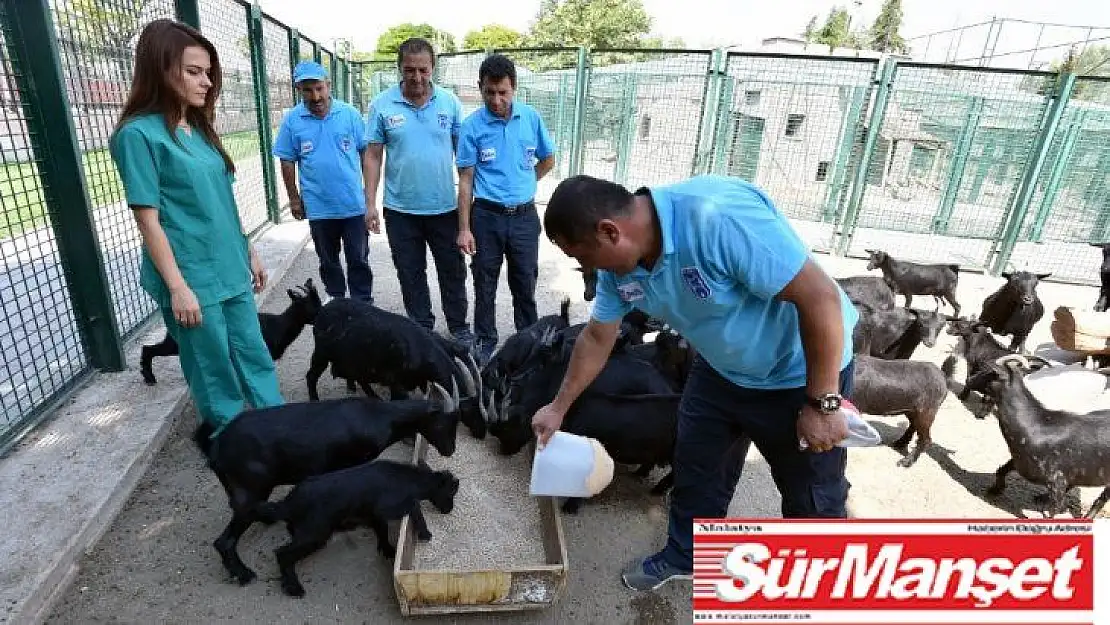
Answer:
(482, 409)
(491, 408)
(420, 394)
(468, 379)
(1005, 361)
(505, 408)
(477, 373)
(454, 395)
(442, 394)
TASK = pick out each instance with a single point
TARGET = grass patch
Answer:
(21, 197)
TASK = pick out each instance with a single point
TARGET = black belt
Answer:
(503, 209)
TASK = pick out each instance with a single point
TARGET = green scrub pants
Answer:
(225, 361)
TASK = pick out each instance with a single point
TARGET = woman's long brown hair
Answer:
(158, 66)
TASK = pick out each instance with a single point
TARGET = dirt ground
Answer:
(156, 563)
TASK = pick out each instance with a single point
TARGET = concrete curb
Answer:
(64, 484)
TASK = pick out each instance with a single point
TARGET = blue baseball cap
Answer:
(309, 70)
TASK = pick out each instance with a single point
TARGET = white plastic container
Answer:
(570, 466)
(860, 432)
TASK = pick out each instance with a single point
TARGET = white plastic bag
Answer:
(860, 432)
(570, 466)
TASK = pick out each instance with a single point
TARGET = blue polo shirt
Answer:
(327, 153)
(419, 164)
(727, 251)
(504, 153)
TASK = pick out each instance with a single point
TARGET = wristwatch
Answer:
(827, 403)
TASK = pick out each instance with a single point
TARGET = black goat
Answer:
(278, 330)
(909, 279)
(366, 495)
(913, 388)
(589, 283)
(366, 344)
(895, 334)
(870, 291)
(980, 349)
(269, 447)
(1015, 307)
(516, 349)
(633, 429)
(671, 354)
(538, 381)
(1103, 301)
(1055, 448)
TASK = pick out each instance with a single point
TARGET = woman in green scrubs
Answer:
(197, 263)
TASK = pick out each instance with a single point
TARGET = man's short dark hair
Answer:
(415, 45)
(579, 203)
(496, 67)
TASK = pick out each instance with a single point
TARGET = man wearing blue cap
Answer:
(327, 139)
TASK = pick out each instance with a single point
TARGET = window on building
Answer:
(822, 171)
(751, 98)
(794, 124)
(645, 126)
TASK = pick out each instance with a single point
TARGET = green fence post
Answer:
(316, 53)
(1059, 165)
(722, 133)
(627, 136)
(188, 11)
(581, 92)
(294, 58)
(959, 164)
(707, 115)
(255, 35)
(842, 162)
(1004, 247)
(33, 50)
(874, 127)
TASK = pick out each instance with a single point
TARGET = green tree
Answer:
(591, 23)
(1092, 61)
(835, 32)
(492, 36)
(662, 42)
(884, 35)
(810, 33)
(392, 38)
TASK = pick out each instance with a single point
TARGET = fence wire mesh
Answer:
(643, 115)
(947, 162)
(279, 87)
(456, 71)
(795, 127)
(1071, 206)
(224, 22)
(96, 43)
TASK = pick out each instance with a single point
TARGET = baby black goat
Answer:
(278, 330)
(268, 447)
(367, 495)
(1056, 448)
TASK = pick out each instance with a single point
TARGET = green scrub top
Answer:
(190, 186)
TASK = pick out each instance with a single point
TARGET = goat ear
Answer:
(1006, 275)
(1043, 276)
(293, 294)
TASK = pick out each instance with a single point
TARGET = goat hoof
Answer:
(246, 576)
(292, 588)
(905, 462)
(424, 536)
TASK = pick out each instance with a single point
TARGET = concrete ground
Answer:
(156, 564)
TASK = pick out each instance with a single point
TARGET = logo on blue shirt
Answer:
(306, 148)
(631, 291)
(444, 121)
(394, 121)
(488, 154)
(345, 143)
(695, 282)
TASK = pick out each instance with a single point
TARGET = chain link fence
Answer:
(994, 169)
(70, 251)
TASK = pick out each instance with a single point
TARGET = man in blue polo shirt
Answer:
(417, 123)
(326, 139)
(504, 150)
(715, 259)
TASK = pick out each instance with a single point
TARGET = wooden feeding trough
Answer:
(481, 587)
(1082, 331)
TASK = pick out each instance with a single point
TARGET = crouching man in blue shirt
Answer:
(715, 259)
